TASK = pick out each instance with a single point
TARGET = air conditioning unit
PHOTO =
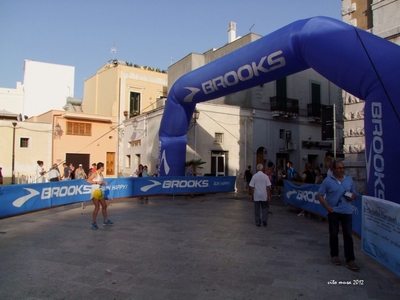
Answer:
(291, 145)
(161, 102)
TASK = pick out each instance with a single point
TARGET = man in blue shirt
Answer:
(339, 191)
(289, 171)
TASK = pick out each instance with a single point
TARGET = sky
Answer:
(154, 33)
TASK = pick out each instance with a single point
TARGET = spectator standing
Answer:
(308, 175)
(80, 173)
(156, 172)
(339, 191)
(40, 172)
(193, 171)
(72, 171)
(270, 172)
(92, 169)
(280, 175)
(328, 165)
(145, 172)
(247, 178)
(66, 172)
(1, 176)
(260, 189)
(318, 176)
(54, 174)
(290, 172)
(139, 171)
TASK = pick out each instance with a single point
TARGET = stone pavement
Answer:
(180, 248)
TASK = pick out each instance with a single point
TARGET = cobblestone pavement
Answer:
(180, 248)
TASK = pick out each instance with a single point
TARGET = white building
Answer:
(46, 86)
(33, 142)
(12, 100)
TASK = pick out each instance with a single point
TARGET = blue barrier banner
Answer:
(305, 197)
(381, 232)
(183, 185)
(23, 198)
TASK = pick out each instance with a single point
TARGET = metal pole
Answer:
(245, 144)
(334, 132)
(13, 155)
(195, 147)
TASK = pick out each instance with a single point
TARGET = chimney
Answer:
(231, 32)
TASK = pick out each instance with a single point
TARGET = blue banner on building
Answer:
(23, 198)
(305, 197)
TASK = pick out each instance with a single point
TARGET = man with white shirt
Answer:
(260, 189)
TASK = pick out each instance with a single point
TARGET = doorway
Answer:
(77, 159)
(110, 163)
(218, 163)
(262, 156)
(282, 159)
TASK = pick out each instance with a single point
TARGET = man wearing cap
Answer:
(80, 173)
(54, 174)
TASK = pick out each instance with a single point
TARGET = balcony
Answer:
(314, 112)
(284, 107)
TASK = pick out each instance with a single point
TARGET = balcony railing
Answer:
(314, 111)
(285, 107)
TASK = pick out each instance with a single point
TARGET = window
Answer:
(128, 161)
(219, 138)
(24, 143)
(281, 88)
(281, 133)
(78, 128)
(315, 93)
(134, 104)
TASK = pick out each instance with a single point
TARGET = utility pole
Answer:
(13, 155)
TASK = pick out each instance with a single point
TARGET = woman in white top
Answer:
(40, 172)
(54, 174)
(96, 179)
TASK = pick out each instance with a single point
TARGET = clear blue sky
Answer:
(80, 33)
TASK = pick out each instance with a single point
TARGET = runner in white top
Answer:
(96, 179)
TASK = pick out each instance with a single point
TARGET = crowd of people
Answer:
(67, 172)
(278, 174)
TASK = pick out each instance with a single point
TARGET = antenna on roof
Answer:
(252, 27)
(113, 50)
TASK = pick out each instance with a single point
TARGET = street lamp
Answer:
(57, 130)
(13, 155)
(196, 115)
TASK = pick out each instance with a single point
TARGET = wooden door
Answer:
(110, 163)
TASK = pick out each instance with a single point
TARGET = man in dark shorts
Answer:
(247, 178)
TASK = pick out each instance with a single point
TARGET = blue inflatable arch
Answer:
(359, 62)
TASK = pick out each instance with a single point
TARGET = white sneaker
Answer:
(301, 214)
